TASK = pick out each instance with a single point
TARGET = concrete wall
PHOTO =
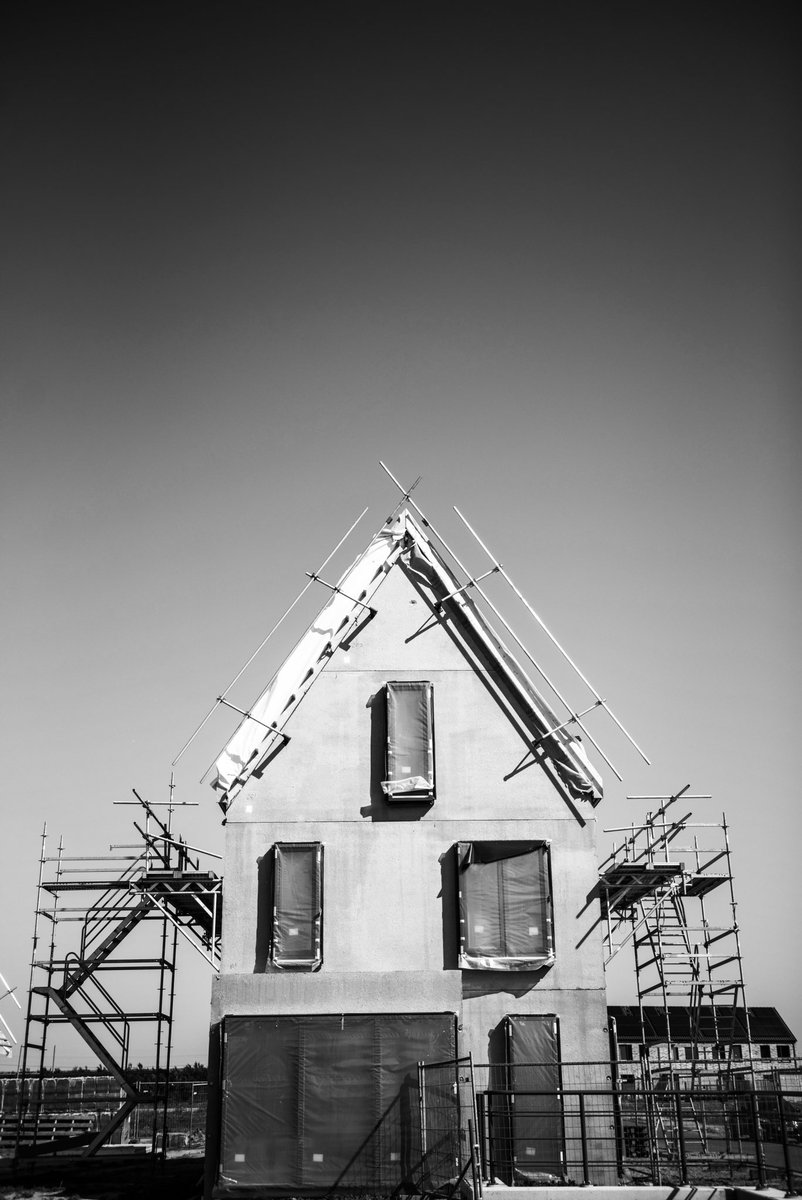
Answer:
(390, 913)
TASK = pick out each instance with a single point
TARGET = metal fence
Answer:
(66, 1106)
(448, 1126)
(677, 1128)
(672, 1128)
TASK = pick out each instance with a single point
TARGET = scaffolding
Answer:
(163, 883)
(655, 890)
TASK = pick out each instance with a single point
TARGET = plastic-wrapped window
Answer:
(318, 1101)
(537, 1143)
(505, 910)
(297, 935)
(410, 741)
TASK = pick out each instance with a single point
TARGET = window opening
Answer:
(297, 932)
(410, 741)
(505, 914)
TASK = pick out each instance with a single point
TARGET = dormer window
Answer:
(409, 771)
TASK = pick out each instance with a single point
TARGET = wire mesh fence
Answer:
(592, 1129)
(460, 1124)
(35, 1112)
(448, 1122)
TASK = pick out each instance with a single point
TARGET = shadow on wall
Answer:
(264, 911)
(449, 909)
(497, 1057)
(593, 899)
(380, 808)
(491, 983)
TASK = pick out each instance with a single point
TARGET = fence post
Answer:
(683, 1163)
(481, 1134)
(761, 1165)
(583, 1133)
(491, 1165)
(789, 1172)
(477, 1191)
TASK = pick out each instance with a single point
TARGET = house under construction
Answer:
(409, 979)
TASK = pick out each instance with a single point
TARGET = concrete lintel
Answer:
(358, 991)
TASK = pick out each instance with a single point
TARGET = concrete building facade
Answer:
(389, 881)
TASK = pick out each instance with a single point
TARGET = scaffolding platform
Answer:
(163, 884)
(701, 885)
(657, 905)
(628, 883)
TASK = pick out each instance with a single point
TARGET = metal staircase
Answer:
(162, 883)
(87, 964)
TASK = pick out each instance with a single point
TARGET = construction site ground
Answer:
(116, 1177)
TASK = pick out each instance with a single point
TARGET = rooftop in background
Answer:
(766, 1024)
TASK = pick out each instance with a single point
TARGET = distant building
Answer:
(671, 1035)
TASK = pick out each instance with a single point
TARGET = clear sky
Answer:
(548, 258)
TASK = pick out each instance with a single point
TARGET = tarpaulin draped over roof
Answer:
(312, 652)
(566, 754)
(256, 736)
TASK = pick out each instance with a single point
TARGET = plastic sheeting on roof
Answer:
(304, 663)
(257, 735)
(565, 753)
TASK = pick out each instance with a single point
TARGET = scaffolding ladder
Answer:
(655, 891)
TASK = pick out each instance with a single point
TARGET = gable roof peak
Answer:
(403, 541)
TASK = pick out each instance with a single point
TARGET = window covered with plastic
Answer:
(297, 928)
(324, 1101)
(505, 916)
(410, 741)
(537, 1142)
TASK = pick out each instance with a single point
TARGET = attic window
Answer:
(505, 914)
(297, 933)
(410, 741)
